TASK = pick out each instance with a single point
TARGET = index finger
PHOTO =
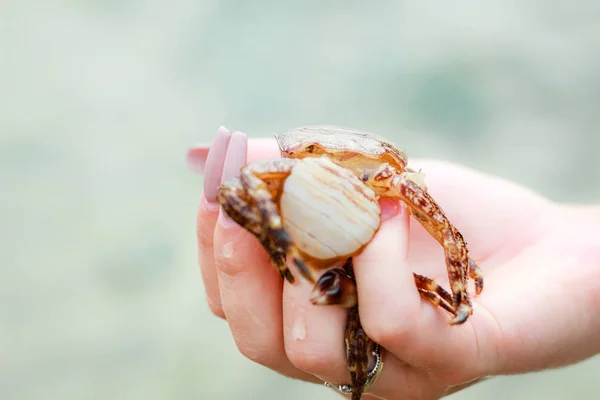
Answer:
(208, 210)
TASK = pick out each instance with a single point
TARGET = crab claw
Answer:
(335, 287)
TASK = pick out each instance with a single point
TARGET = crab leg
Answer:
(357, 354)
(237, 204)
(409, 188)
(430, 215)
(335, 287)
(476, 274)
(249, 201)
(434, 293)
(254, 179)
(358, 345)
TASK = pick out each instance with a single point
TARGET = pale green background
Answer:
(101, 297)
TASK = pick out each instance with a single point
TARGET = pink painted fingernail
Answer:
(389, 208)
(234, 161)
(235, 158)
(196, 157)
(211, 207)
(213, 168)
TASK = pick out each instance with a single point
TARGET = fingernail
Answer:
(235, 158)
(225, 221)
(389, 208)
(196, 157)
(211, 207)
(213, 168)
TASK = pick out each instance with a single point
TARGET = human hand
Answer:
(541, 285)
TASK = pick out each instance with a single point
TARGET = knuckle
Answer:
(387, 330)
(312, 362)
(262, 355)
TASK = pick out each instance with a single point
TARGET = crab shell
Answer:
(349, 147)
(326, 208)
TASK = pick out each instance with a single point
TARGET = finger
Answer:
(207, 216)
(388, 299)
(393, 314)
(258, 149)
(314, 343)
(314, 335)
(251, 296)
(250, 286)
(209, 160)
(398, 380)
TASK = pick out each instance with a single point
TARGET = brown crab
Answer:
(318, 207)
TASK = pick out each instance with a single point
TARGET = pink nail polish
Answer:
(196, 157)
(235, 159)
(389, 208)
(236, 156)
(213, 168)
(211, 207)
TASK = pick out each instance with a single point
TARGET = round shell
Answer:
(327, 210)
(335, 139)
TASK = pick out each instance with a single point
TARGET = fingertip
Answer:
(197, 155)
(205, 223)
(196, 158)
(225, 221)
(388, 299)
(213, 167)
(262, 148)
(214, 304)
(390, 243)
(236, 156)
(389, 208)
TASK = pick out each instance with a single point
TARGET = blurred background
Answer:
(101, 297)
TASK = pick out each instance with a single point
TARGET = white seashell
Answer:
(327, 210)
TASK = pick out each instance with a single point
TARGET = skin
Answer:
(540, 261)
(251, 201)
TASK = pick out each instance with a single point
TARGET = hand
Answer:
(540, 263)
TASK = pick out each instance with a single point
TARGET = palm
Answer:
(539, 262)
(496, 218)
(524, 266)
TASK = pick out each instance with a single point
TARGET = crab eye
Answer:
(310, 148)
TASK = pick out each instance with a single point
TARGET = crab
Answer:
(317, 207)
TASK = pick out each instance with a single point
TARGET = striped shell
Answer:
(327, 210)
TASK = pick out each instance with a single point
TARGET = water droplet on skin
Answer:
(227, 250)
(299, 329)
